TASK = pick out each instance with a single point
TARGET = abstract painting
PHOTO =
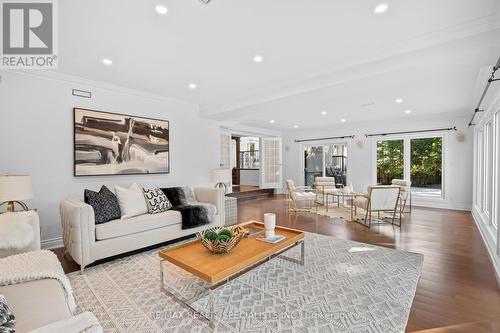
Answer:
(115, 144)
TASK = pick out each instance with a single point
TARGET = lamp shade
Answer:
(220, 176)
(15, 188)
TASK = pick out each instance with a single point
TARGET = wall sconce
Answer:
(460, 136)
(360, 143)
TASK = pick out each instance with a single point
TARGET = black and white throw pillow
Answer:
(105, 204)
(7, 319)
(156, 200)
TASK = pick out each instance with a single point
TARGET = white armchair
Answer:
(381, 198)
(405, 193)
(299, 196)
(325, 186)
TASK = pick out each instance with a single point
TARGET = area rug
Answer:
(344, 286)
(344, 213)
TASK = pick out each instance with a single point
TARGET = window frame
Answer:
(407, 160)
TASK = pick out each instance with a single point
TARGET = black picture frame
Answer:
(75, 174)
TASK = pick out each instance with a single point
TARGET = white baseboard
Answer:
(52, 243)
(489, 242)
(441, 204)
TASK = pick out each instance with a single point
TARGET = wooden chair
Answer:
(380, 198)
(299, 196)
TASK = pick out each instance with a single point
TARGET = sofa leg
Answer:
(82, 268)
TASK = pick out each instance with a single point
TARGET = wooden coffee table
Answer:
(218, 269)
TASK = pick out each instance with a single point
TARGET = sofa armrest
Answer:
(214, 196)
(84, 322)
(78, 224)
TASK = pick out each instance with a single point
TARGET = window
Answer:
(418, 159)
(496, 174)
(479, 169)
(390, 161)
(426, 165)
(487, 168)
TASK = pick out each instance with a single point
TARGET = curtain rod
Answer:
(454, 128)
(328, 138)
(491, 79)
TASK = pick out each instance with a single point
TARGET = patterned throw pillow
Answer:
(7, 319)
(156, 200)
(105, 204)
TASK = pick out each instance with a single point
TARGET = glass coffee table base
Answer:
(209, 289)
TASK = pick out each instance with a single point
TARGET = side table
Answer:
(231, 211)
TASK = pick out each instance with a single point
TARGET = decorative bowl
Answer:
(224, 245)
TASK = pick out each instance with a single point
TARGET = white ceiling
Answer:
(319, 55)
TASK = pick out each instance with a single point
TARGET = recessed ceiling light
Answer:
(407, 111)
(399, 100)
(272, 121)
(258, 59)
(107, 61)
(162, 10)
(343, 120)
(295, 126)
(323, 113)
(192, 86)
(381, 8)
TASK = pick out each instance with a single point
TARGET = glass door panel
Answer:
(335, 162)
(313, 164)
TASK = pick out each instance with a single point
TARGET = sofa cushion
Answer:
(7, 318)
(105, 204)
(36, 303)
(156, 200)
(133, 225)
(176, 196)
(132, 202)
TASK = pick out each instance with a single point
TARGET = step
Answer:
(252, 195)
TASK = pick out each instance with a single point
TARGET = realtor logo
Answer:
(28, 34)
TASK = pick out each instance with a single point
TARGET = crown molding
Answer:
(322, 78)
(80, 82)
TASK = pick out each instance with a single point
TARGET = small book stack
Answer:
(272, 240)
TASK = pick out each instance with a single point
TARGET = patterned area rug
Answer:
(344, 286)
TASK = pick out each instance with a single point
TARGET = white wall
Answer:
(36, 132)
(360, 161)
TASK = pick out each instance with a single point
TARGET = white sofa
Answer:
(87, 242)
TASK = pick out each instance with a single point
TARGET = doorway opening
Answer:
(245, 163)
(327, 160)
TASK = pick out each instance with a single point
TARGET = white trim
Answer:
(432, 201)
(489, 240)
(79, 81)
(52, 243)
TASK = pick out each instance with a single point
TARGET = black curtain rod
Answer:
(329, 138)
(491, 79)
(454, 128)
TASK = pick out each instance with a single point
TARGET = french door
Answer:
(271, 168)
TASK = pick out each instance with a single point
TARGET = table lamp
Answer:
(13, 189)
(221, 177)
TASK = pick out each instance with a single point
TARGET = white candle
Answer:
(269, 224)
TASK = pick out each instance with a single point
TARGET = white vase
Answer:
(269, 224)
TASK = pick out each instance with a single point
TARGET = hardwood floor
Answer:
(457, 288)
